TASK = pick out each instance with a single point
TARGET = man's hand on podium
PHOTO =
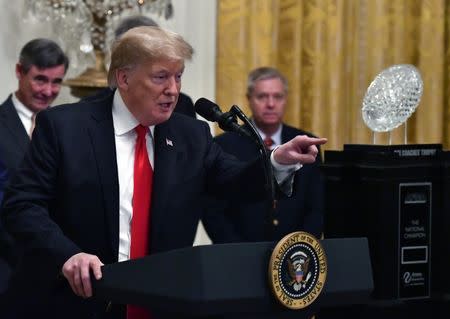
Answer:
(77, 271)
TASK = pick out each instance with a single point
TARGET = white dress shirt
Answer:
(25, 114)
(276, 137)
(281, 172)
(125, 138)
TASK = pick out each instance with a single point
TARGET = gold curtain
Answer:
(330, 51)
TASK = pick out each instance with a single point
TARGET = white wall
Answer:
(195, 20)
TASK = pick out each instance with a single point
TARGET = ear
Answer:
(19, 71)
(122, 78)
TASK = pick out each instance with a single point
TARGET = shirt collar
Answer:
(21, 108)
(124, 121)
(276, 137)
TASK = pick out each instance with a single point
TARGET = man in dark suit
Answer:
(4, 267)
(236, 221)
(40, 70)
(184, 104)
(80, 187)
(3, 177)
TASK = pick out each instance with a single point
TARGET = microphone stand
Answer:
(268, 169)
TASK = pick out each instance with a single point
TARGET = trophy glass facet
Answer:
(391, 98)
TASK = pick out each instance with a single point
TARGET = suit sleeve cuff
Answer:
(281, 171)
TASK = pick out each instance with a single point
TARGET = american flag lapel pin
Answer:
(169, 142)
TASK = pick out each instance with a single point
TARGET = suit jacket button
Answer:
(275, 222)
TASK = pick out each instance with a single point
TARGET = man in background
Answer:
(235, 221)
(184, 104)
(40, 71)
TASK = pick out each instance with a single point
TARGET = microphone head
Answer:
(207, 109)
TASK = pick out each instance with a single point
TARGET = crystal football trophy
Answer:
(392, 98)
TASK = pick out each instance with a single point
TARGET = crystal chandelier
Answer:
(85, 28)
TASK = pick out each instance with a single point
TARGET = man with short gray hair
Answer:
(236, 221)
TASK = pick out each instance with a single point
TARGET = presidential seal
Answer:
(297, 270)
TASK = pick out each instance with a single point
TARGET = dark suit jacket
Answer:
(14, 139)
(3, 178)
(235, 221)
(14, 142)
(184, 104)
(4, 267)
(64, 198)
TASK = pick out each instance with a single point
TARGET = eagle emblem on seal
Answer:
(298, 270)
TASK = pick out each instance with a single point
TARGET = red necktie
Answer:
(268, 142)
(140, 222)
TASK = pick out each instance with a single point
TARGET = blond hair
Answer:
(146, 44)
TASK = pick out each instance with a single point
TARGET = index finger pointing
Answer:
(321, 140)
(313, 141)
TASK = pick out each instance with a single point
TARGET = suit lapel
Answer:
(166, 154)
(287, 134)
(167, 151)
(101, 131)
(12, 122)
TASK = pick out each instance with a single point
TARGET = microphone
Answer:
(226, 121)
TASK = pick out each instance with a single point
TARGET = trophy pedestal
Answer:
(441, 237)
(392, 195)
(398, 197)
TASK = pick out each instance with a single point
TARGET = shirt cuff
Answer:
(282, 171)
